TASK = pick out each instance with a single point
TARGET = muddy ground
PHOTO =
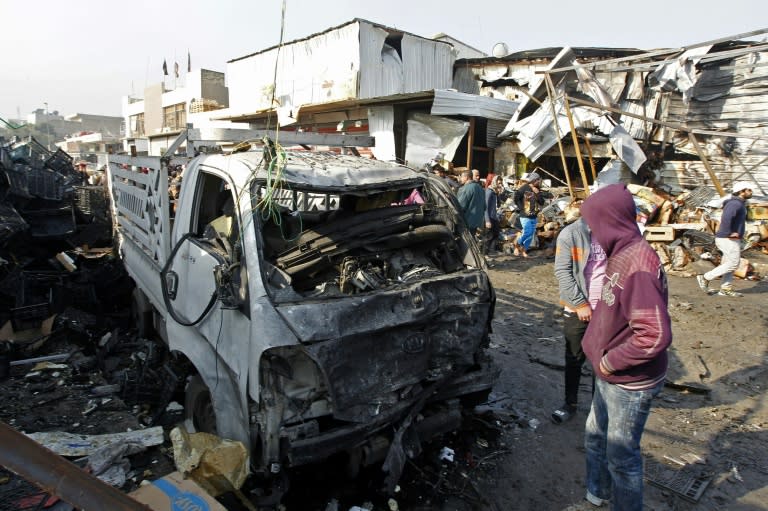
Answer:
(706, 438)
(707, 435)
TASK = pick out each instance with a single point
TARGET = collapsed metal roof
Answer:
(716, 91)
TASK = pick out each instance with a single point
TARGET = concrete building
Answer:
(91, 148)
(61, 126)
(153, 122)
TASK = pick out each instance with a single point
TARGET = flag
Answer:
(176, 69)
(189, 63)
(165, 68)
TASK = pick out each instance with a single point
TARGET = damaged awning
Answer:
(451, 102)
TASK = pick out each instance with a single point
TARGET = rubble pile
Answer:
(680, 227)
(70, 361)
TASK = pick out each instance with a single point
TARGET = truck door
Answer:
(191, 274)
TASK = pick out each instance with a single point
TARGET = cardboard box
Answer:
(174, 493)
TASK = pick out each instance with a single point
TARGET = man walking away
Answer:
(728, 240)
(626, 342)
(472, 201)
(579, 269)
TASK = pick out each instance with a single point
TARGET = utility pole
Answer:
(47, 125)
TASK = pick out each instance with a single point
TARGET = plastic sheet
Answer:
(429, 135)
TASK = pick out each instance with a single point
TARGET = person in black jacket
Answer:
(529, 201)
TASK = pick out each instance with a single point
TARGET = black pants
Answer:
(573, 329)
(490, 237)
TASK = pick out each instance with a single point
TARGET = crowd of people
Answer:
(481, 198)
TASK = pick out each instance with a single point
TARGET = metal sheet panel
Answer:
(448, 102)
(426, 64)
(381, 66)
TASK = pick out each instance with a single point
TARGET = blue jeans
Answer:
(529, 229)
(612, 440)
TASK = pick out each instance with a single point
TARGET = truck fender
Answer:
(229, 401)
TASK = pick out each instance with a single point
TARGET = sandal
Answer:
(563, 414)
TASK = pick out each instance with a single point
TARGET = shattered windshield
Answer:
(337, 242)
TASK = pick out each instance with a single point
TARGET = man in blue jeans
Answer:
(626, 341)
(529, 200)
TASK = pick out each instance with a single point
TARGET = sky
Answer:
(83, 56)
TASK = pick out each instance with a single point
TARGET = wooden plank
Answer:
(659, 233)
(705, 161)
(556, 125)
(575, 137)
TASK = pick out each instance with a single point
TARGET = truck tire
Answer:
(199, 414)
(141, 313)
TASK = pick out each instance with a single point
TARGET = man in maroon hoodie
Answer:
(626, 341)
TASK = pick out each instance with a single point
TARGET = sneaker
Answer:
(595, 501)
(728, 291)
(703, 283)
(564, 413)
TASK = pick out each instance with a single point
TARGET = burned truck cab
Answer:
(329, 303)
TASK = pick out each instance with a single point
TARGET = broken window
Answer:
(137, 125)
(175, 116)
(333, 243)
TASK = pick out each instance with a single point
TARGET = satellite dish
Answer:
(500, 50)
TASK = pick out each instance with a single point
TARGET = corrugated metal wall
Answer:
(381, 65)
(730, 95)
(321, 69)
(349, 62)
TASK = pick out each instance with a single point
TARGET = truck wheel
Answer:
(141, 313)
(198, 407)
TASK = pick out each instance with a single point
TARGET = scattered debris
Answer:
(70, 444)
(174, 492)
(446, 454)
(217, 465)
(685, 482)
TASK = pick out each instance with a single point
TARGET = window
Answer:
(175, 116)
(137, 125)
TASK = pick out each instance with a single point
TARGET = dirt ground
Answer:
(706, 437)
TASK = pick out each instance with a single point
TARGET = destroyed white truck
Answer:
(328, 302)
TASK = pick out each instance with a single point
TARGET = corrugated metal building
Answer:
(356, 60)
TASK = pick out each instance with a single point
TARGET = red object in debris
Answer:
(34, 501)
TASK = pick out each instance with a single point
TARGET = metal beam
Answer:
(182, 138)
(54, 474)
(198, 136)
(673, 125)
